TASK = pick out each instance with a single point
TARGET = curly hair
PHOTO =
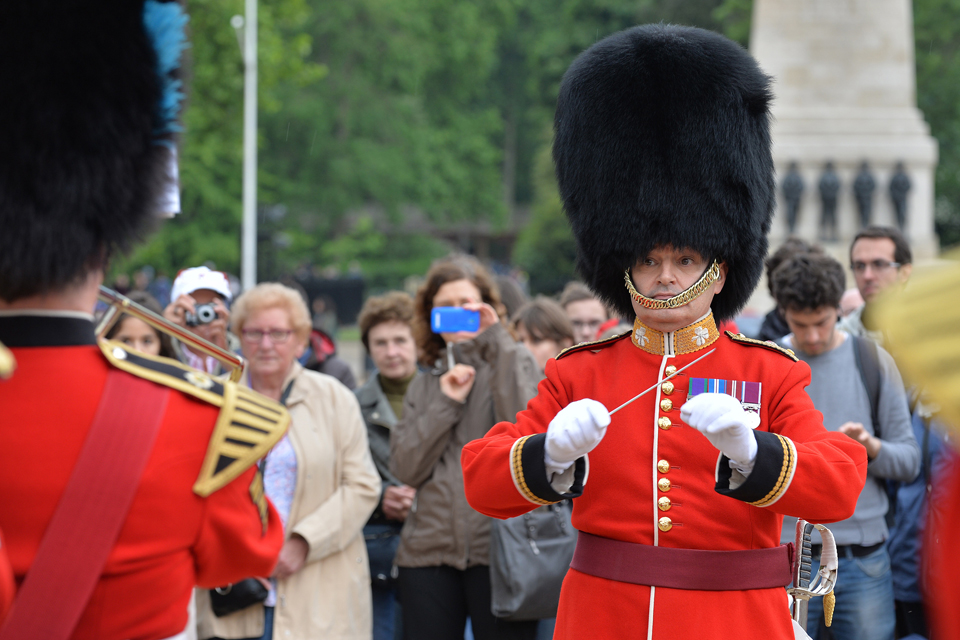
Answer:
(809, 281)
(442, 271)
(790, 247)
(395, 306)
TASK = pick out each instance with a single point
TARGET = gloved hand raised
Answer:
(574, 432)
(722, 419)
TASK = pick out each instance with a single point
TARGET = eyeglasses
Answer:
(277, 336)
(876, 265)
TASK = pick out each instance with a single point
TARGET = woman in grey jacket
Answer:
(443, 557)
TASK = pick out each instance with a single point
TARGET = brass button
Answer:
(666, 404)
(667, 387)
(663, 466)
(670, 370)
(665, 524)
(664, 503)
(664, 423)
(663, 484)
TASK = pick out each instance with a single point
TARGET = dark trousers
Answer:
(911, 618)
(437, 600)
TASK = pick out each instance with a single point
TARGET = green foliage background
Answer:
(388, 125)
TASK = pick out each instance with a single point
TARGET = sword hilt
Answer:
(806, 585)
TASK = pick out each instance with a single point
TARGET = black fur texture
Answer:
(78, 172)
(662, 138)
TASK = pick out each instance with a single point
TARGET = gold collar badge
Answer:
(694, 337)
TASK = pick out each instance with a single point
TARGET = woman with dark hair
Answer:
(137, 334)
(443, 557)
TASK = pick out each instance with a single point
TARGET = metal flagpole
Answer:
(248, 270)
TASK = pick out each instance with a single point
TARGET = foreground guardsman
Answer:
(663, 159)
(124, 479)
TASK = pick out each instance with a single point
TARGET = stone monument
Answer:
(845, 92)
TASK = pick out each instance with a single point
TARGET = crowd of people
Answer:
(430, 394)
(152, 495)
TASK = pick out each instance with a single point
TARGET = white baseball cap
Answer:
(195, 278)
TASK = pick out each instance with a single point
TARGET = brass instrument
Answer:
(119, 305)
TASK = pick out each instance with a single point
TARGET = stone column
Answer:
(845, 91)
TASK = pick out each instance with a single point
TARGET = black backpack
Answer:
(868, 364)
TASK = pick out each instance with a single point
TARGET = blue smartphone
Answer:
(454, 319)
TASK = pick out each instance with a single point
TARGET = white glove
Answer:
(574, 432)
(722, 419)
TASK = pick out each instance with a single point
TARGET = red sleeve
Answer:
(232, 543)
(799, 462)
(504, 472)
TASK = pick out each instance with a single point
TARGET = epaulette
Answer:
(766, 344)
(249, 424)
(593, 346)
(7, 362)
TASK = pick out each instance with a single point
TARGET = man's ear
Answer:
(721, 280)
(905, 271)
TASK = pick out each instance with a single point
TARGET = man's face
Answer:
(871, 260)
(666, 272)
(586, 316)
(393, 349)
(814, 330)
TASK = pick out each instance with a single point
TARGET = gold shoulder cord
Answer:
(682, 298)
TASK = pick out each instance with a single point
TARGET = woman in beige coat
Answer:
(320, 477)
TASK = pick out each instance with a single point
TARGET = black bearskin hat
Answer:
(81, 168)
(662, 137)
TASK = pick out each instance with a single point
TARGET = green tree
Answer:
(545, 248)
(937, 38)
(211, 150)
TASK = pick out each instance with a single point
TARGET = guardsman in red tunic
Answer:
(663, 159)
(86, 153)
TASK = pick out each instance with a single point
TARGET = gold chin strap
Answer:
(682, 298)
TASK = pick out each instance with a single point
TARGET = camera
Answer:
(205, 314)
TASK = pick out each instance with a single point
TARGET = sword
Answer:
(806, 586)
(657, 384)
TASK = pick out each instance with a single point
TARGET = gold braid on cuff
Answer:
(709, 277)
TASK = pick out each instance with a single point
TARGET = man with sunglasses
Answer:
(880, 258)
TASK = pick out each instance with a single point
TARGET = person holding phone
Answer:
(476, 378)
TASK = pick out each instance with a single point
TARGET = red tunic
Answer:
(172, 538)
(649, 454)
(941, 553)
(7, 585)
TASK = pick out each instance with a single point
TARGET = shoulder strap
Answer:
(739, 338)
(248, 426)
(868, 364)
(91, 511)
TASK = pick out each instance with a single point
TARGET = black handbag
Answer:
(240, 595)
(529, 557)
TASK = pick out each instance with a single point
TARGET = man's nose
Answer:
(667, 273)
